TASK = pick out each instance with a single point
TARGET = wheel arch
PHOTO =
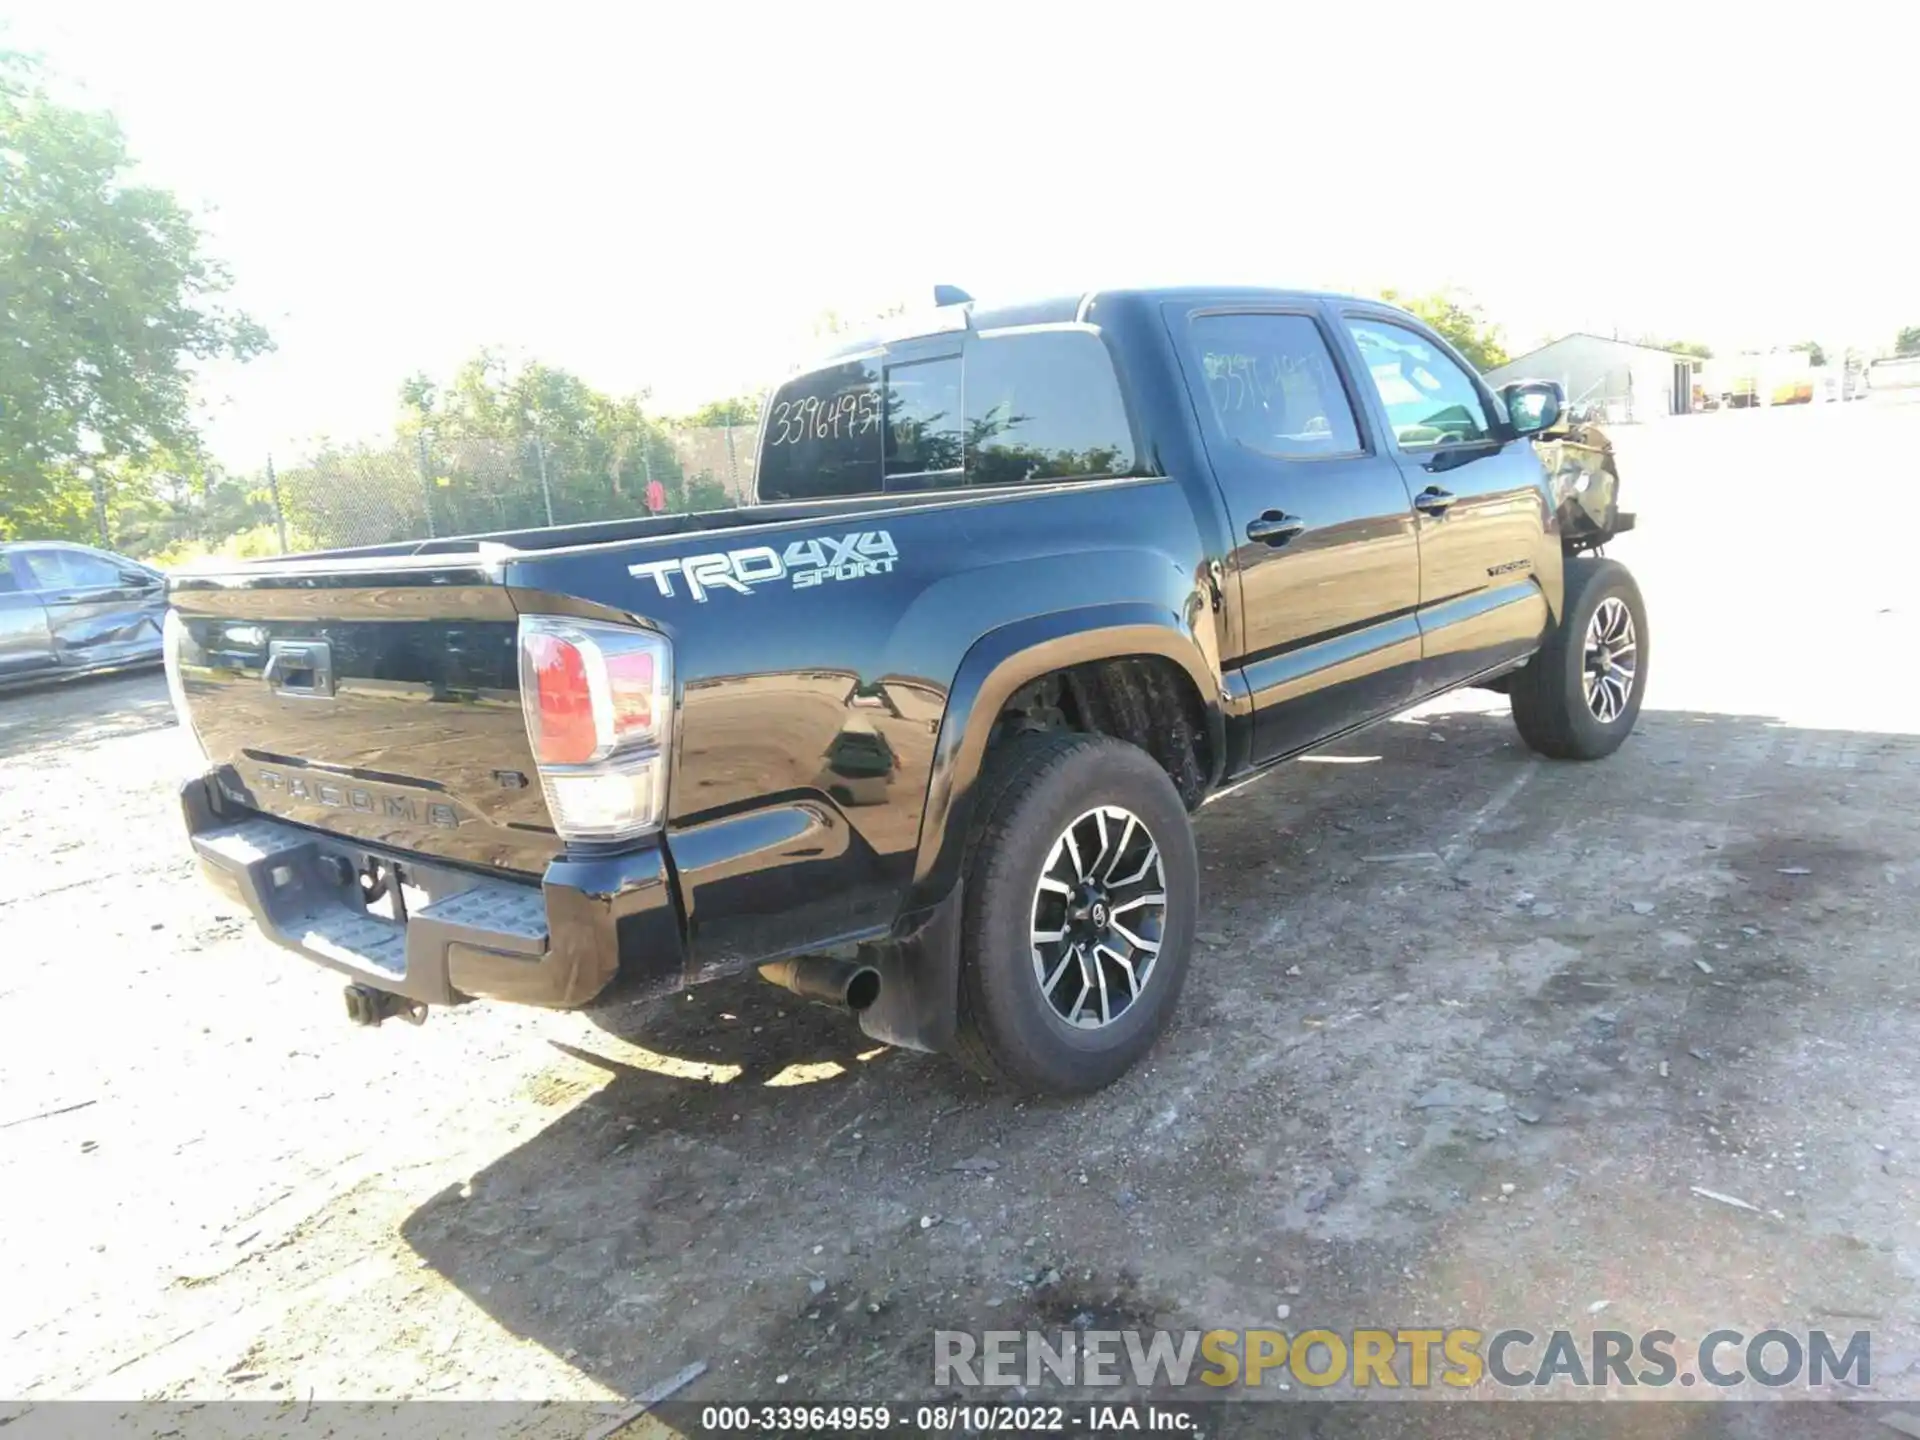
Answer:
(999, 665)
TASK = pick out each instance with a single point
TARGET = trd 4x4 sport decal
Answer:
(805, 563)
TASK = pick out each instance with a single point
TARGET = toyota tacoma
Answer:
(921, 730)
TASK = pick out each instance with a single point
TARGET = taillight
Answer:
(598, 701)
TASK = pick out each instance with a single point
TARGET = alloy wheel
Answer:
(1099, 916)
(1611, 660)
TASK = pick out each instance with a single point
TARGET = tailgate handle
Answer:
(301, 668)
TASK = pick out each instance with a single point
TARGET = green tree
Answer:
(704, 492)
(496, 440)
(1459, 321)
(740, 411)
(1908, 341)
(1815, 354)
(108, 296)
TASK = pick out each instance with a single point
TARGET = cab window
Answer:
(1429, 399)
(1044, 405)
(1273, 387)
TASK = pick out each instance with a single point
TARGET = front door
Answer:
(1326, 561)
(25, 644)
(1486, 547)
(96, 611)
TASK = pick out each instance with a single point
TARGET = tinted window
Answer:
(1273, 385)
(1429, 399)
(1044, 406)
(823, 436)
(7, 583)
(923, 417)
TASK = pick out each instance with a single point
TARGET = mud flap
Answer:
(919, 969)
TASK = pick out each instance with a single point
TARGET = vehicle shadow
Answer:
(741, 1178)
(608, 1237)
(83, 711)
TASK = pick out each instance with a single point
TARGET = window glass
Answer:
(923, 417)
(48, 569)
(1429, 399)
(8, 585)
(1044, 406)
(822, 436)
(1273, 385)
(90, 570)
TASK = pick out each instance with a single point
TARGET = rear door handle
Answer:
(1275, 527)
(1433, 500)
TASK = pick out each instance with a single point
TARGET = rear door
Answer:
(26, 644)
(1479, 492)
(1326, 560)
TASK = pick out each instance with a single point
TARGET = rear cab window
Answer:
(821, 438)
(923, 430)
(1015, 407)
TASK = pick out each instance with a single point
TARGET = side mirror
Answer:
(1534, 405)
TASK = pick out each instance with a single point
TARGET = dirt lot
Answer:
(1432, 967)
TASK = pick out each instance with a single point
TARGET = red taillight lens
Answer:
(598, 701)
(566, 733)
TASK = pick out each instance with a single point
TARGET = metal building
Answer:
(1626, 381)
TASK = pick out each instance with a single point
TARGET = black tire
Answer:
(1009, 1030)
(1550, 707)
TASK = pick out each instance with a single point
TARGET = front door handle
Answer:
(1276, 527)
(1433, 500)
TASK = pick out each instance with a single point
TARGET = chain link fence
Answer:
(426, 485)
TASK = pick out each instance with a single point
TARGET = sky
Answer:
(667, 196)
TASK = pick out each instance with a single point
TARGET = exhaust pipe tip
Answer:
(843, 983)
(863, 988)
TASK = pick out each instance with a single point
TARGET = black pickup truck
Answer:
(920, 731)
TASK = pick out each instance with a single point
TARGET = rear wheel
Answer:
(1082, 886)
(1578, 698)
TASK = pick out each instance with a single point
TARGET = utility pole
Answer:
(426, 479)
(100, 505)
(546, 493)
(279, 515)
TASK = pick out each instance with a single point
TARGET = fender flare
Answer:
(996, 666)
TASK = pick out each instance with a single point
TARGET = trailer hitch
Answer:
(368, 1006)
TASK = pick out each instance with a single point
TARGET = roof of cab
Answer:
(1063, 309)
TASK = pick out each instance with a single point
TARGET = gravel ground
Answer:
(1432, 967)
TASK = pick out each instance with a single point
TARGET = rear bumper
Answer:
(560, 943)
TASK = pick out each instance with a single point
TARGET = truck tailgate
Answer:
(380, 703)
